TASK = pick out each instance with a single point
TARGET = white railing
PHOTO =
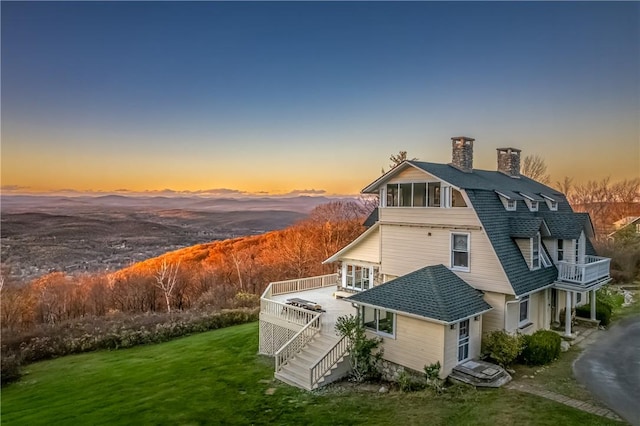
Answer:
(301, 284)
(297, 342)
(326, 363)
(286, 312)
(594, 269)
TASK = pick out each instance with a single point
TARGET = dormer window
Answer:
(509, 200)
(531, 201)
(551, 203)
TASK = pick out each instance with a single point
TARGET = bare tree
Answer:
(535, 167)
(166, 279)
(397, 159)
(566, 186)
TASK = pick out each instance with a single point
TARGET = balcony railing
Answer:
(593, 269)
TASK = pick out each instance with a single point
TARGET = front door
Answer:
(463, 340)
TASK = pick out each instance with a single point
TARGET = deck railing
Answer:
(593, 269)
(297, 342)
(326, 363)
(286, 312)
(301, 284)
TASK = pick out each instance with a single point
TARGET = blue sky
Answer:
(288, 96)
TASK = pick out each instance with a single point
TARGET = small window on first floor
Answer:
(524, 312)
(378, 320)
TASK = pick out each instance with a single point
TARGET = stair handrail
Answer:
(298, 341)
(326, 363)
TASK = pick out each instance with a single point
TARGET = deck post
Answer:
(567, 314)
(592, 299)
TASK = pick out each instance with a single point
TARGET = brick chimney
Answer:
(509, 161)
(462, 153)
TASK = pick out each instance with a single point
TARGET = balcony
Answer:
(590, 275)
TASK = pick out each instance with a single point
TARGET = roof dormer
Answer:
(552, 204)
(531, 200)
(509, 200)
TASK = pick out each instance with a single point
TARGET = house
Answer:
(453, 252)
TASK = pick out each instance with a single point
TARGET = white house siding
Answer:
(408, 248)
(525, 248)
(437, 216)
(367, 250)
(494, 319)
(417, 343)
(412, 174)
(539, 314)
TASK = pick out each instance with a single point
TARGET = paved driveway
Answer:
(610, 369)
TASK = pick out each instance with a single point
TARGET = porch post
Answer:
(547, 320)
(567, 313)
(592, 299)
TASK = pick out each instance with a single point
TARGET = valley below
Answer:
(41, 234)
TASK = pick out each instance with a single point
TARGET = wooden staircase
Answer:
(298, 370)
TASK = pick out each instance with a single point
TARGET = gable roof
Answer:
(433, 292)
(336, 256)
(524, 227)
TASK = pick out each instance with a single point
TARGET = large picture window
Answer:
(378, 320)
(460, 252)
(417, 194)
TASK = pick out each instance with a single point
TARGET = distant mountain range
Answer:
(34, 203)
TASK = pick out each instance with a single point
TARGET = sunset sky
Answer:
(309, 97)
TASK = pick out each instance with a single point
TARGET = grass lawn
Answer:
(217, 378)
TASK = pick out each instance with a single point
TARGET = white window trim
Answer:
(531, 241)
(383, 200)
(376, 315)
(460, 268)
(511, 208)
(525, 322)
(345, 270)
(551, 203)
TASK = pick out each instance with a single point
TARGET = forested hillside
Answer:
(203, 276)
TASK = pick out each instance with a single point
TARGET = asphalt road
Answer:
(610, 369)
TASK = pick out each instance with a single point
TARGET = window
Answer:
(560, 250)
(420, 194)
(378, 320)
(533, 206)
(551, 203)
(357, 278)
(511, 205)
(434, 194)
(460, 252)
(524, 312)
(405, 194)
(392, 195)
(457, 200)
(535, 252)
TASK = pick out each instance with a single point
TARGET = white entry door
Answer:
(463, 340)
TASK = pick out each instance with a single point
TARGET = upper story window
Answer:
(511, 205)
(551, 203)
(533, 206)
(416, 194)
(357, 277)
(535, 252)
(531, 201)
(457, 200)
(460, 252)
(560, 250)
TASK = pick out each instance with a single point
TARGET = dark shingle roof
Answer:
(432, 292)
(371, 219)
(565, 225)
(524, 227)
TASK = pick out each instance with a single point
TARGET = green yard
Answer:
(217, 378)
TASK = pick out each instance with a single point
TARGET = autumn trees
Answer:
(204, 276)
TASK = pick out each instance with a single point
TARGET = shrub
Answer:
(432, 375)
(362, 355)
(9, 369)
(408, 382)
(540, 348)
(612, 298)
(501, 347)
(603, 312)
